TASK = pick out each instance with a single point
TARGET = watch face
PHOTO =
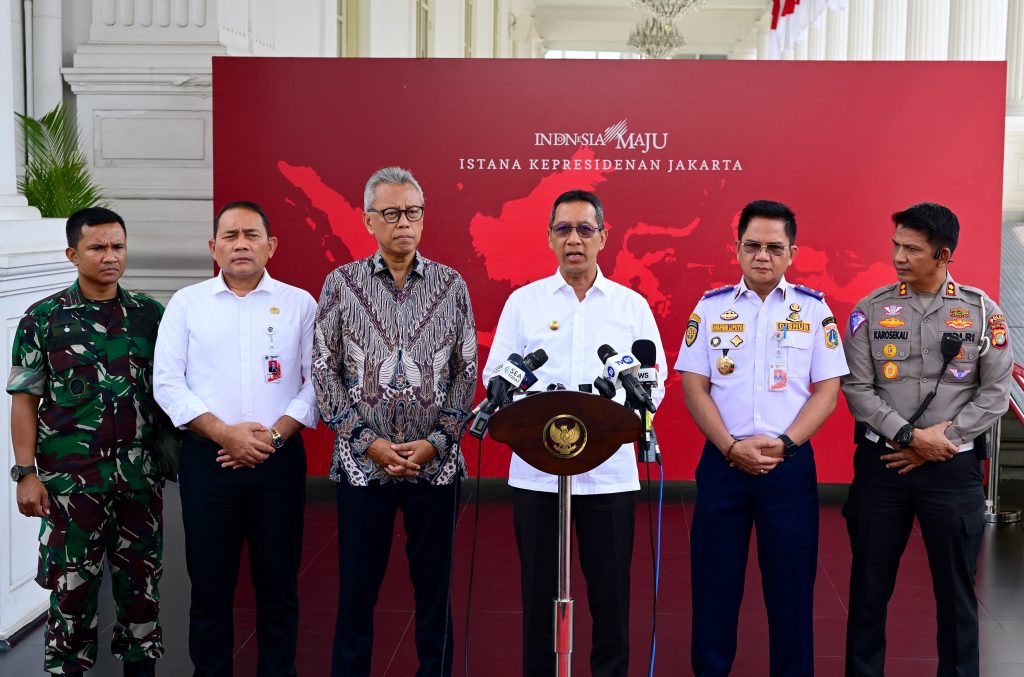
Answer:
(15, 473)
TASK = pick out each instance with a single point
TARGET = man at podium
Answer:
(569, 315)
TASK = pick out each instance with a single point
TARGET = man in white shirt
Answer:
(569, 315)
(232, 365)
(750, 356)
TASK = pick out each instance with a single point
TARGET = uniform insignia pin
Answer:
(795, 307)
(729, 315)
(274, 310)
(554, 325)
(725, 365)
(736, 341)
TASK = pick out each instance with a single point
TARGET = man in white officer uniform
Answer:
(569, 315)
(749, 358)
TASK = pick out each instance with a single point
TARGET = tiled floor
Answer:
(495, 618)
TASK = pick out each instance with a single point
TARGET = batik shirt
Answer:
(397, 364)
(91, 365)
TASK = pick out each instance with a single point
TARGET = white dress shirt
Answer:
(789, 329)
(546, 314)
(212, 348)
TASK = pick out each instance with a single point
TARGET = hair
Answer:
(242, 204)
(936, 222)
(90, 216)
(393, 176)
(768, 209)
(578, 195)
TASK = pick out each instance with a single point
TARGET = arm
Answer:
(170, 359)
(992, 398)
(859, 385)
(33, 499)
(462, 366)
(301, 411)
(746, 454)
(332, 395)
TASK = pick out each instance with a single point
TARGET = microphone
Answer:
(621, 369)
(515, 372)
(604, 388)
(645, 351)
(949, 346)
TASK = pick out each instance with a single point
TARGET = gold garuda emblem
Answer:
(565, 436)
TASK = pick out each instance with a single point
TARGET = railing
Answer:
(994, 511)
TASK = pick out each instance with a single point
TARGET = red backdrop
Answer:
(674, 149)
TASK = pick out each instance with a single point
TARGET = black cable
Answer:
(472, 551)
(451, 576)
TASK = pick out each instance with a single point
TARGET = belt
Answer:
(872, 436)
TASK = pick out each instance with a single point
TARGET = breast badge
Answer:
(889, 350)
(891, 322)
(890, 370)
(729, 315)
(725, 365)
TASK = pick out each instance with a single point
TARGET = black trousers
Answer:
(221, 509)
(783, 507)
(949, 504)
(366, 524)
(604, 525)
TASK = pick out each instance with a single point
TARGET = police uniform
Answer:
(761, 359)
(892, 347)
(90, 363)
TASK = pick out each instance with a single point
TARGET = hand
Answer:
(904, 459)
(396, 464)
(244, 445)
(749, 455)
(33, 499)
(417, 451)
(931, 443)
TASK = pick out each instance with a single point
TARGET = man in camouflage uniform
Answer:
(913, 460)
(82, 424)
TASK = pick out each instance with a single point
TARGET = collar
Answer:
(949, 289)
(378, 266)
(73, 298)
(556, 282)
(266, 284)
(742, 288)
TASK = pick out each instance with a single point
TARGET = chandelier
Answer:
(655, 39)
(669, 10)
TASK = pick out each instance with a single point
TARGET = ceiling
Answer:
(720, 28)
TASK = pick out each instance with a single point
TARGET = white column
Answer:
(764, 32)
(12, 205)
(800, 48)
(1015, 58)
(837, 29)
(927, 30)
(449, 25)
(47, 56)
(393, 28)
(890, 30)
(816, 39)
(977, 30)
(861, 23)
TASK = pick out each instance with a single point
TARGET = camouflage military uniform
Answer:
(91, 365)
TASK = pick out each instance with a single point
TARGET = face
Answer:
(913, 257)
(577, 256)
(396, 240)
(241, 246)
(101, 254)
(765, 267)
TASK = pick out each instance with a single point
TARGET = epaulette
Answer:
(721, 290)
(820, 295)
(973, 290)
(889, 288)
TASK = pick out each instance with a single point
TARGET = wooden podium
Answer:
(565, 433)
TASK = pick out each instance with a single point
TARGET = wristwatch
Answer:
(19, 471)
(275, 438)
(904, 436)
(791, 447)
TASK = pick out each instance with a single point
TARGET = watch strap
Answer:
(791, 447)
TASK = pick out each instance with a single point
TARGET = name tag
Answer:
(804, 327)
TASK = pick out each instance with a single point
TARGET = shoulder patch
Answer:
(857, 318)
(810, 292)
(721, 290)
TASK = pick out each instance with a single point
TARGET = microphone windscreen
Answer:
(604, 352)
(645, 351)
(536, 359)
(950, 346)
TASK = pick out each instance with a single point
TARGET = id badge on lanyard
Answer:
(272, 360)
(778, 376)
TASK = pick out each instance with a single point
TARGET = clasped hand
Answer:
(244, 445)
(927, 444)
(757, 455)
(401, 460)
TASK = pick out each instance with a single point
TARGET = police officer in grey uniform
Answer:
(918, 453)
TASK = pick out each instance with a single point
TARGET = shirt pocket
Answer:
(795, 348)
(889, 357)
(74, 375)
(963, 371)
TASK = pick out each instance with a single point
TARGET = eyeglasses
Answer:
(394, 215)
(755, 248)
(584, 230)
